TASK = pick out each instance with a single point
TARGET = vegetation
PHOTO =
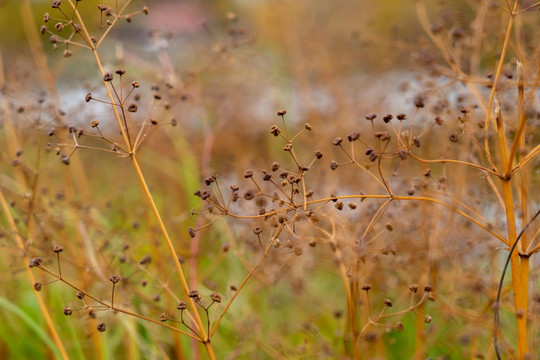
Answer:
(157, 202)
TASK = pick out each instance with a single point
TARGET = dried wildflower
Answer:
(88, 97)
(318, 154)
(43, 29)
(399, 327)
(428, 288)
(174, 122)
(181, 306)
(257, 230)
(352, 206)
(68, 311)
(209, 180)
(94, 123)
(57, 249)
(145, 10)
(65, 159)
(287, 147)
(56, 4)
(389, 227)
(438, 120)
(53, 39)
(353, 136)
(275, 166)
(215, 297)
(274, 130)
(80, 295)
(339, 205)
(337, 141)
(153, 122)
(37, 286)
(427, 319)
(114, 279)
(453, 137)
(333, 165)
(387, 118)
(307, 126)
(371, 117)
(135, 84)
(101, 327)
(248, 174)
(120, 72)
(373, 156)
(366, 287)
(59, 26)
(388, 302)
(401, 117)
(146, 260)
(46, 17)
(108, 77)
(419, 101)
(281, 112)
(194, 294)
(416, 141)
(205, 194)
(191, 232)
(427, 172)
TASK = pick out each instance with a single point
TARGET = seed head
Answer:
(80, 295)
(281, 112)
(216, 297)
(35, 261)
(387, 118)
(94, 123)
(248, 174)
(145, 10)
(37, 286)
(135, 84)
(307, 126)
(388, 302)
(333, 165)
(108, 77)
(318, 154)
(68, 311)
(337, 141)
(101, 327)
(163, 317)
(194, 294)
(58, 249)
(353, 136)
(366, 287)
(114, 279)
(191, 232)
(274, 130)
(427, 319)
(181, 306)
(56, 4)
(371, 117)
(401, 117)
